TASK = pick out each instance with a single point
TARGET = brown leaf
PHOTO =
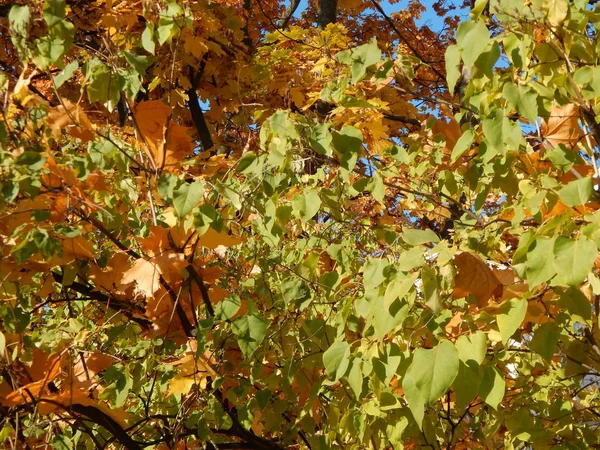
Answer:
(474, 277)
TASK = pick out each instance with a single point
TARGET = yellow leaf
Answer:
(191, 371)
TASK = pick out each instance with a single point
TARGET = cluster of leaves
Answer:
(224, 227)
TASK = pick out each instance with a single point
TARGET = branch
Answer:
(200, 282)
(108, 423)
(194, 105)
(287, 15)
(403, 39)
(403, 119)
(110, 302)
(239, 431)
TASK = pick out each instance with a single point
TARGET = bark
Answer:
(289, 12)
(327, 12)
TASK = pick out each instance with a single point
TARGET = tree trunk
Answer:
(327, 12)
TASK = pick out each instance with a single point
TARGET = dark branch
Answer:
(403, 39)
(196, 111)
(403, 119)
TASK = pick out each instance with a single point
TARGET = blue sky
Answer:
(429, 17)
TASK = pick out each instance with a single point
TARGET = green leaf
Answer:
(537, 269)
(246, 162)
(19, 17)
(228, 307)
(294, 290)
(166, 185)
(561, 157)
(472, 37)
(429, 376)
(577, 192)
(148, 38)
(544, 340)
(250, 331)
(139, 62)
(574, 301)
(373, 272)
(573, 260)
(186, 197)
(65, 74)
(320, 139)
(61, 442)
(466, 385)
(472, 347)
(336, 359)
(462, 145)
(103, 85)
(500, 134)
(492, 386)
(54, 12)
(348, 145)
(119, 384)
(413, 236)
(452, 66)
(510, 316)
(33, 160)
(360, 58)
(306, 205)
(522, 99)
(356, 378)
(431, 289)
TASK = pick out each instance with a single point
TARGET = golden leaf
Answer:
(474, 277)
(191, 371)
(195, 46)
(78, 247)
(211, 239)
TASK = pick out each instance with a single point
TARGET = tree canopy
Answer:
(255, 224)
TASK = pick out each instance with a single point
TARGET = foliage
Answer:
(224, 227)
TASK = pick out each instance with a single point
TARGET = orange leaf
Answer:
(152, 118)
(562, 126)
(72, 116)
(474, 277)
(147, 273)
